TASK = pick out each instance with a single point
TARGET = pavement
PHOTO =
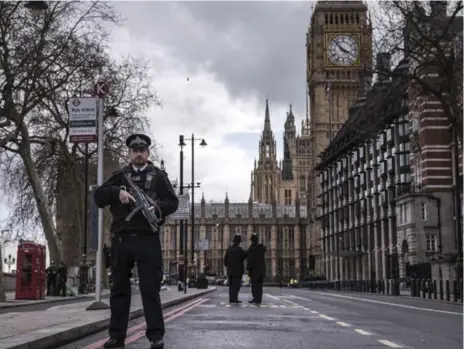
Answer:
(301, 319)
(13, 305)
(63, 323)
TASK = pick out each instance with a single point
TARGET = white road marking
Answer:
(390, 304)
(293, 316)
(314, 312)
(364, 333)
(273, 297)
(344, 324)
(298, 297)
(389, 344)
(290, 302)
(326, 317)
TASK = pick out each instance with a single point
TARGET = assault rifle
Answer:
(143, 203)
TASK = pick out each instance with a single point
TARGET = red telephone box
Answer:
(30, 274)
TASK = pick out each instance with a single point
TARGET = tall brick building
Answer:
(392, 177)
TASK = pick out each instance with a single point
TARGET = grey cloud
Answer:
(253, 47)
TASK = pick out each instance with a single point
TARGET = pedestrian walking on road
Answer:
(233, 261)
(256, 266)
(62, 278)
(51, 271)
(135, 241)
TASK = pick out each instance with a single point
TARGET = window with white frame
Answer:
(424, 211)
(431, 241)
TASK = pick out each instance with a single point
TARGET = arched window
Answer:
(302, 184)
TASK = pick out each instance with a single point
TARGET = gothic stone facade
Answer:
(285, 182)
(282, 228)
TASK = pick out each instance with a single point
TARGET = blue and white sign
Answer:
(82, 119)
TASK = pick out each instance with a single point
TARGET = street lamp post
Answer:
(9, 262)
(202, 144)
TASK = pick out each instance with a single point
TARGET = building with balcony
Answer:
(283, 229)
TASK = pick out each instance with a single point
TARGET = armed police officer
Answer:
(256, 265)
(136, 241)
(233, 261)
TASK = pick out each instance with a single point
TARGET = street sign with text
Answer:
(82, 119)
(183, 211)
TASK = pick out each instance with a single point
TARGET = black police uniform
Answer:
(135, 242)
(51, 280)
(256, 266)
(233, 261)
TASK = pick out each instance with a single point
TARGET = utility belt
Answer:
(134, 233)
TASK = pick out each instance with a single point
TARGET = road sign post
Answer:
(101, 89)
(82, 119)
(183, 211)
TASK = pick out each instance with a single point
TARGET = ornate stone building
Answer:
(339, 47)
(282, 228)
(283, 182)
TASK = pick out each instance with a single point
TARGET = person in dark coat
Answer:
(256, 266)
(62, 278)
(233, 261)
(135, 242)
(51, 271)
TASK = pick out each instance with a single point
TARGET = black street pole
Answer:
(183, 241)
(193, 200)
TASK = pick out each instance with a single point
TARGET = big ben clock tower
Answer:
(339, 50)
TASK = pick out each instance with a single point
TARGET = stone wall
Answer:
(9, 281)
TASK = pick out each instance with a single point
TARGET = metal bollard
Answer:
(440, 285)
(447, 290)
(434, 289)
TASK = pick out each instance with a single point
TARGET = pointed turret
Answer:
(267, 118)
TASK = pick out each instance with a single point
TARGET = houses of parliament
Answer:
(284, 193)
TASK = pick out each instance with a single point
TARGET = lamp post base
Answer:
(98, 306)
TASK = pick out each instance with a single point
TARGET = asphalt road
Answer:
(301, 319)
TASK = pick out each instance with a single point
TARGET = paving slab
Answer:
(11, 302)
(62, 324)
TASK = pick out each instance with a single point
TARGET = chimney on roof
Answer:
(364, 83)
(383, 61)
(438, 8)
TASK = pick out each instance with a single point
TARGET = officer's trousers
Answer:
(257, 288)
(146, 252)
(235, 283)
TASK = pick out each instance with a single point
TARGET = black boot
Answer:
(113, 343)
(157, 344)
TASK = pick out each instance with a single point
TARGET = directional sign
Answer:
(183, 211)
(102, 89)
(82, 119)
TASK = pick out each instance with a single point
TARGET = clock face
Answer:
(343, 50)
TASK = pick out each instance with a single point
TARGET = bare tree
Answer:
(45, 61)
(429, 38)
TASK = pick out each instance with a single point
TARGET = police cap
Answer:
(254, 237)
(138, 140)
(237, 238)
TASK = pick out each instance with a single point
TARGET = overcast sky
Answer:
(236, 54)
